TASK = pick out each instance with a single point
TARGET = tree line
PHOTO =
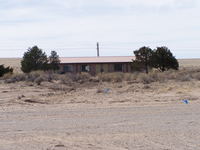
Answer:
(145, 58)
(35, 59)
(160, 58)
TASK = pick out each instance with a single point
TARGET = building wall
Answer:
(95, 68)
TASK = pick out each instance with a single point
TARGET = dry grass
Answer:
(40, 76)
(185, 74)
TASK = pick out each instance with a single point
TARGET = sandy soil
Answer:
(130, 116)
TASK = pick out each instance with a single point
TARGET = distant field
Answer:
(15, 63)
(189, 62)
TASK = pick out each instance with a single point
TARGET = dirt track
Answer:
(130, 116)
(59, 127)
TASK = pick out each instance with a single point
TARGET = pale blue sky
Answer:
(72, 27)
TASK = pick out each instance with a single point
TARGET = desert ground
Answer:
(100, 116)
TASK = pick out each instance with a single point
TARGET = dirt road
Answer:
(60, 127)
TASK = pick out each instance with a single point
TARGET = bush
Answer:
(196, 76)
(145, 78)
(184, 78)
(39, 80)
(117, 77)
(5, 70)
(30, 77)
(111, 77)
(81, 77)
(130, 76)
(65, 79)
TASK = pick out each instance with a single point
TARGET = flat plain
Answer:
(130, 116)
(13, 62)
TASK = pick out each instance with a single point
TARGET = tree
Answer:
(164, 60)
(54, 61)
(143, 57)
(34, 59)
(4, 70)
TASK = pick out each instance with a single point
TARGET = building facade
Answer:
(95, 65)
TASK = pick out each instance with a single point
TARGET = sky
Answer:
(73, 27)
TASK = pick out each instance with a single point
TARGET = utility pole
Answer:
(97, 49)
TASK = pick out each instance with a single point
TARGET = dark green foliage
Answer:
(161, 59)
(137, 66)
(143, 58)
(164, 60)
(34, 59)
(54, 61)
(4, 70)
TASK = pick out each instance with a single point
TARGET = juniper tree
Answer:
(144, 57)
(34, 59)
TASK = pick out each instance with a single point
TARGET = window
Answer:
(118, 67)
(85, 68)
(67, 68)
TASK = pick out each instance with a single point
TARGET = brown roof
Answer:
(101, 59)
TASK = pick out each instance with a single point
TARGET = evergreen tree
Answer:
(34, 59)
(164, 60)
(54, 61)
(143, 57)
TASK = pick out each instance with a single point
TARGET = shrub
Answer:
(33, 76)
(7, 76)
(15, 78)
(109, 77)
(105, 77)
(39, 80)
(117, 77)
(5, 70)
(30, 77)
(184, 78)
(65, 79)
(145, 78)
(130, 76)
(81, 77)
(196, 76)
(61, 87)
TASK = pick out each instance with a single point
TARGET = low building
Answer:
(95, 65)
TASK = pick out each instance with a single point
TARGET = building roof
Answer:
(101, 59)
